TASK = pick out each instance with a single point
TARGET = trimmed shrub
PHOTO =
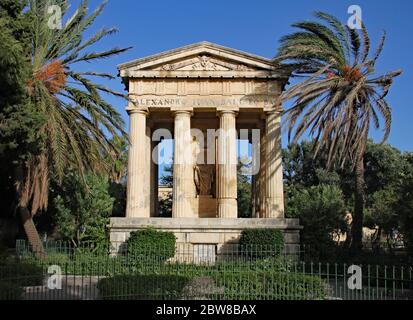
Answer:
(56, 258)
(261, 243)
(151, 244)
(10, 291)
(280, 263)
(94, 264)
(271, 285)
(224, 285)
(143, 287)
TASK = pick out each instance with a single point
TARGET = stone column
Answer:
(137, 202)
(261, 194)
(183, 167)
(273, 167)
(227, 165)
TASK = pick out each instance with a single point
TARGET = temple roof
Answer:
(203, 59)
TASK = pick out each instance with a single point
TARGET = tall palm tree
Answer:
(78, 119)
(339, 98)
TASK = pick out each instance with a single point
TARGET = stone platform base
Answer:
(205, 234)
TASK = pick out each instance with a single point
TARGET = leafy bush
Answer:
(271, 285)
(51, 258)
(277, 263)
(261, 243)
(321, 210)
(10, 290)
(82, 213)
(94, 264)
(143, 287)
(151, 244)
(405, 207)
(56, 258)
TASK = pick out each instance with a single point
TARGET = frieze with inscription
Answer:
(205, 102)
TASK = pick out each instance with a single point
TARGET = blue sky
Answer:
(256, 26)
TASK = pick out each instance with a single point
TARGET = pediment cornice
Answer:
(201, 60)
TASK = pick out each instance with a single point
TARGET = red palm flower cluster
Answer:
(52, 75)
(351, 73)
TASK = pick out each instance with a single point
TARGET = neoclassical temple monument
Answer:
(204, 97)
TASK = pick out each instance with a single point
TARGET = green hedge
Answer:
(271, 286)
(261, 243)
(151, 244)
(143, 287)
(86, 264)
(228, 285)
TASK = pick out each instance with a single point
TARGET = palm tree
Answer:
(78, 120)
(119, 160)
(340, 97)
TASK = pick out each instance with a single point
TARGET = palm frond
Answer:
(99, 55)
(340, 98)
(80, 123)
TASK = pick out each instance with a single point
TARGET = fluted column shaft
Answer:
(261, 194)
(183, 166)
(138, 192)
(227, 165)
(273, 167)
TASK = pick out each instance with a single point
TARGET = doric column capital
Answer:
(132, 110)
(225, 111)
(177, 111)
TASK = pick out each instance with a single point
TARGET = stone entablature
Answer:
(203, 75)
(204, 93)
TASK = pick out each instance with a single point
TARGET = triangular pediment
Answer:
(204, 56)
(202, 62)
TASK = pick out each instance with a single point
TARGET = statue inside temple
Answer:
(204, 177)
(204, 174)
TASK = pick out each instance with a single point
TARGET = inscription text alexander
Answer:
(189, 101)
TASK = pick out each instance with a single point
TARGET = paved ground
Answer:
(339, 291)
(73, 288)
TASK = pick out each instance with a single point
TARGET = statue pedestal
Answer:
(205, 206)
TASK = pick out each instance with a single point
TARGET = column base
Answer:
(182, 208)
(139, 210)
(227, 208)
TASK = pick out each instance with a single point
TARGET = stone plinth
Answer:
(206, 231)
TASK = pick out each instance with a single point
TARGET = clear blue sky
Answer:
(256, 26)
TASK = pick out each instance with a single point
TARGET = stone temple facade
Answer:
(204, 96)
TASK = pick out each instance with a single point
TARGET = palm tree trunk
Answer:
(359, 202)
(31, 232)
(26, 217)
